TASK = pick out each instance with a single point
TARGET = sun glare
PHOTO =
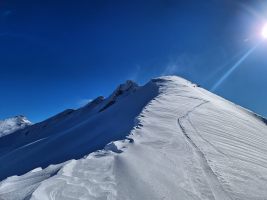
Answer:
(264, 31)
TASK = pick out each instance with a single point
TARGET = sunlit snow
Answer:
(169, 139)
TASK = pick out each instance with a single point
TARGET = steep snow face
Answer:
(13, 124)
(187, 143)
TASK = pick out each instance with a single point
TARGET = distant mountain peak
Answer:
(10, 125)
(21, 119)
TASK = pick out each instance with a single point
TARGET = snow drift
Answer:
(168, 140)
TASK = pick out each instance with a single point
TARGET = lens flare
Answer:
(264, 31)
(233, 68)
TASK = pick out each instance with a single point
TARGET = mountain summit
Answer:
(168, 139)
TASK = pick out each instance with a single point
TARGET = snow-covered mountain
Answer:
(168, 139)
(13, 124)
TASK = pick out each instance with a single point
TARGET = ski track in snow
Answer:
(217, 190)
(186, 145)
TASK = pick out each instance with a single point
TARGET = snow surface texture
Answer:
(186, 143)
(13, 124)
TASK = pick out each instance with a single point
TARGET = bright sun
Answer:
(264, 31)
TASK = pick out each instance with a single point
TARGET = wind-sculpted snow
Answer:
(21, 187)
(89, 178)
(187, 143)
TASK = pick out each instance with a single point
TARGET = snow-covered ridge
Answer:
(98, 123)
(168, 140)
(13, 124)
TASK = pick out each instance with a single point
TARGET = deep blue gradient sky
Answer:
(58, 54)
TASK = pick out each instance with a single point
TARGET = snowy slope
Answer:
(186, 143)
(13, 124)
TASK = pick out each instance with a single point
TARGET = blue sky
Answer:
(59, 54)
